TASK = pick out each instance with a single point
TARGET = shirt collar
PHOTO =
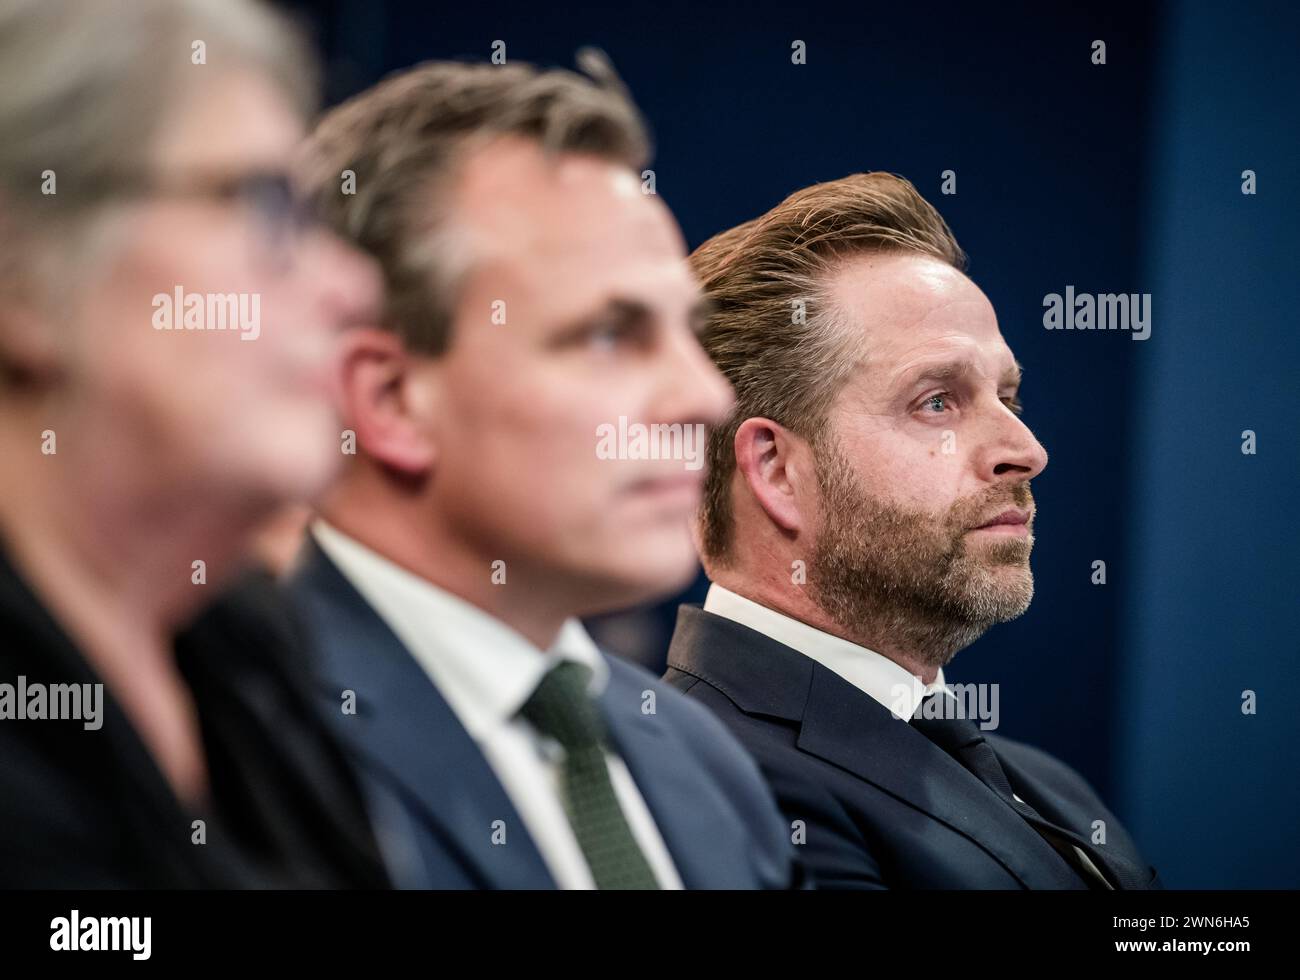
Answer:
(872, 673)
(485, 668)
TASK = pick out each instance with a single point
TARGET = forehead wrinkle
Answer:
(950, 365)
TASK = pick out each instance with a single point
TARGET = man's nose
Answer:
(694, 390)
(1016, 454)
(352, 288)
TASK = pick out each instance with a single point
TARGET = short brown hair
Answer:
(403, 140)
(771, 330)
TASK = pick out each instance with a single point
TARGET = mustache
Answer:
(977, 508)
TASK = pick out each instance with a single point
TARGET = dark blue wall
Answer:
(1212, 607)
(1115, 177)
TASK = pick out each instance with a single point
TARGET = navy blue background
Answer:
(1123, 177)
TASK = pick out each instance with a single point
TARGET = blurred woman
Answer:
(167, 326)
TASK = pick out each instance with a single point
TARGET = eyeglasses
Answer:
(282, 214)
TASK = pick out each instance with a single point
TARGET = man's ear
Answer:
(772, 462)
(378, 402)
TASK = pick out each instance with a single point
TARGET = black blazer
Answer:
(436, 798)
(91, 809)
(882, 805)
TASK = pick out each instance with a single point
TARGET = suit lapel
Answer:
(685, 802)
(405, 730)
(1120, 866)
(845, 726)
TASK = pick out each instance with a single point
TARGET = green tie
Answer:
(562, 709)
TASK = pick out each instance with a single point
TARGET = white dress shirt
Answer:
(486, 671)
(874, 674)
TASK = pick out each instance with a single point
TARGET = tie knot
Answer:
(933, 719)
(561, 707)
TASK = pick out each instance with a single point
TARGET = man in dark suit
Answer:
(538, 300)
(867, 515)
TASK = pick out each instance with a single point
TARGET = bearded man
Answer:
(867, 515)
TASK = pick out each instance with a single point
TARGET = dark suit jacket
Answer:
(91, 809)
(883, 806)
(436, 797)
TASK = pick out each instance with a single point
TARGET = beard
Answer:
(908, 577)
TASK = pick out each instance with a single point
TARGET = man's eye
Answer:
(605, 338)
(612, 336)
(1014, 404)
(936, 403)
